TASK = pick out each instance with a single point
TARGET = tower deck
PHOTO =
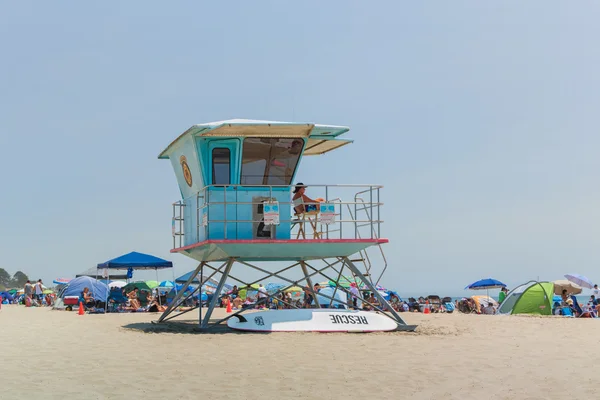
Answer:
(276, 250)
(215, 225)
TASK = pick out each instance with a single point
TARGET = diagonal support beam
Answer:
(311, 288)
(178, 298)
(213, 302)
(179, 295)
(372, 288)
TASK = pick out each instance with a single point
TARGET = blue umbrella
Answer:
(486, 284)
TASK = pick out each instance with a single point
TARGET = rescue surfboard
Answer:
(312, 320)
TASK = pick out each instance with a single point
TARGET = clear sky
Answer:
(480, 118)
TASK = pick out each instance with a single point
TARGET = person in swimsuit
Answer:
(88, 300)
(303, 203)
(308, 298)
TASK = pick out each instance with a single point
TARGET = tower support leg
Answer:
(179, 294)
(311, 288)
(216, 296)
(379, 297)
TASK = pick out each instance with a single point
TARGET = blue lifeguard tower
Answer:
(236, 179)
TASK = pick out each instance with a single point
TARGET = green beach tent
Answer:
(529, 298)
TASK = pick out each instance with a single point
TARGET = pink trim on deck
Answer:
(269, 241)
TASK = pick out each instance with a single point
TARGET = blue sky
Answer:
(480, 119)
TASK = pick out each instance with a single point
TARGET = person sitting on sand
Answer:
(564, 296)
(489, 309)
(289, 300)
(395, 302)
(370, 303)
(88, 300)
(237, 303)
(154, 306)
(133, 299)
(308, 298)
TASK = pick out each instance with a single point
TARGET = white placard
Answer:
(327, 214)
(271, 212)
(204, 219)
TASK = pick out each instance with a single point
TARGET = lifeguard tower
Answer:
(237, 218)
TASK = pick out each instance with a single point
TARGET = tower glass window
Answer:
(221, 166)
(270, 161)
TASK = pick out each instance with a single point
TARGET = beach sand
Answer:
(57, 354)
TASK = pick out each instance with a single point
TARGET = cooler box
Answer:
(71, 300)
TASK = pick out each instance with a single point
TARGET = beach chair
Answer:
(435, 302)
(143, 298)
(115, 299)
(449, 307)
(567, 312)
(312, 218)
(576, 306)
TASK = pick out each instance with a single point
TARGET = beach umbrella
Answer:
(47, 291)
(117, 284)
(166, 284)
(140, 285)
(152, 284)
(486, 284)
(294, 289)
(563, 284)
(273, 287)
(580, 280)
(61, 281)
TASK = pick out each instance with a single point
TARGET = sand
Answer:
(61, 355)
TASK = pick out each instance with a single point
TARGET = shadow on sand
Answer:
(186, 327)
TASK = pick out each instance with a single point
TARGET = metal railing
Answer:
(217, 199)
(177, 222)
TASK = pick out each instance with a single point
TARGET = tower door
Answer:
(223, 171)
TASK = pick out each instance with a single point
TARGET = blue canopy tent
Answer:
(134, 260)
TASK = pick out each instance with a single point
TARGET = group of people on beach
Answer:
(34, 295)
(118, 300)
(569, 306)
(288, 300)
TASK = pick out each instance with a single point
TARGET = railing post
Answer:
(371, 209)
(355, 219)
(173, 224)
(341, 217)
(225, 212)
(181, 214)
(327, 202)
(197, 239)
(207, 194)
(378, 214)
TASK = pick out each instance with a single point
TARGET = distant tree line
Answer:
(18, 280)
